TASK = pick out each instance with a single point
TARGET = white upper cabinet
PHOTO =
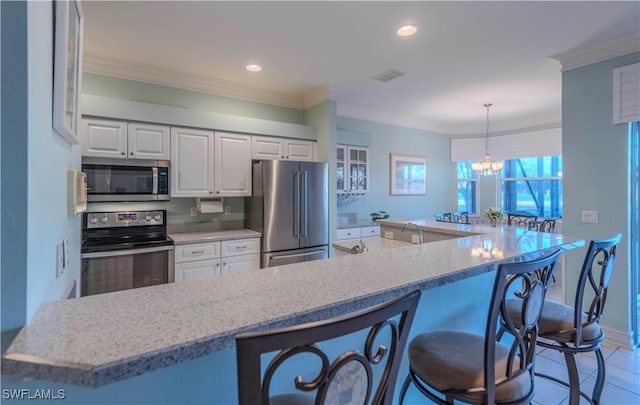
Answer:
(103, 138)
(232, 168)
(352, 170)
(122, 140)
(298, 150)
(191, 162)
(272, 148)
(148, 141)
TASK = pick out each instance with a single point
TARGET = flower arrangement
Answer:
(379, 215)
(493, 215)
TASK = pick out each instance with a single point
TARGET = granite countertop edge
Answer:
(183, 238)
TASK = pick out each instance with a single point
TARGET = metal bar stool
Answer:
(346, 379)
(444, 216)
(572, 330)
(472, 368)
(544, 225)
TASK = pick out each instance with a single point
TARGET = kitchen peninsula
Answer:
(112, 339)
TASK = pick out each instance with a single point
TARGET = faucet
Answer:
(363, 247)
(418, 228)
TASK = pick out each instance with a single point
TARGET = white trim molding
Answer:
(617, 337)
(586, 55)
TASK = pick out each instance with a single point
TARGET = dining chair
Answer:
(461, 217)
(544, 225)
(351, 377)
(450, 365)
(444, 216)
(520, 219)
(576, 329)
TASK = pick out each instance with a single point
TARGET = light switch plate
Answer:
(388, 235)
(590, 217)
(194, 211)
(59, 259)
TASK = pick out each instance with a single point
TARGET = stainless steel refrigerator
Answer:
(290, 207)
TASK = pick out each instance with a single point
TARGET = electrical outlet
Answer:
(194, 211)
(227, 210)
(415, 239)
(59, 259)
(388, 234)
(590, 217)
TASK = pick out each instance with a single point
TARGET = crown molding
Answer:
(586, 55)
(202, 84)
(316, 96)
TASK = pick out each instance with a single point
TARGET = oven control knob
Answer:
(157, 217)
(93, 220)
(147, 218)
(104, 220)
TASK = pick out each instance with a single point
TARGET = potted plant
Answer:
(493, 215)
(379, 215)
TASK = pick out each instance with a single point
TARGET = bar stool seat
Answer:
(557, 318)
(454, 361)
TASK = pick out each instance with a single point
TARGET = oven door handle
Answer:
(124, 252)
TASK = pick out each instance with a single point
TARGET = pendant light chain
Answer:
(487, 167)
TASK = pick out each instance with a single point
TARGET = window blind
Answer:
(547, 142)
(626, 94)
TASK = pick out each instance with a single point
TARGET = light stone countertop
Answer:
(373, 244)
(182, 238)
(101, 339)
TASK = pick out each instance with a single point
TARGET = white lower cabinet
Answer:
(364, 232)
(196, 261)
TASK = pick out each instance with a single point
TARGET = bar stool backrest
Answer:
(353, 367)
(528, 282)
(594, 277)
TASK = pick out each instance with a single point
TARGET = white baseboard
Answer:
(617, 338)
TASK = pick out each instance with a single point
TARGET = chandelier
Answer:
(487, 167)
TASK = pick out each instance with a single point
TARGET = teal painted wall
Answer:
(385, 139)
(595, 170)
(323, 118)
(34, 207)
(14, 165)
(105, 86)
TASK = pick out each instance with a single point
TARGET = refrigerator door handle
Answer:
(297, 254)
(305, 204)
(296, 204)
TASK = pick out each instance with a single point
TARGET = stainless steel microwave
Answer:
(126, 180)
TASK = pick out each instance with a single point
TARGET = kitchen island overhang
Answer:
(94, 341)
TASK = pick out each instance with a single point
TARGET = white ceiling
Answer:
(464, 54)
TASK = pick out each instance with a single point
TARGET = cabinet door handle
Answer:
(122, 153)
(131, 154)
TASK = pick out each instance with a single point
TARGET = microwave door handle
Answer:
(154, 171)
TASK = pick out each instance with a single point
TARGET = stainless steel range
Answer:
(124, 250)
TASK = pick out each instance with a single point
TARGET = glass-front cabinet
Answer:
(352, 171)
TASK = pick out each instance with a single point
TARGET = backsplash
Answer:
(179, 211)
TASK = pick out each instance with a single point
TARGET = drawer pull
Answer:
(197, 252)
(241, 247)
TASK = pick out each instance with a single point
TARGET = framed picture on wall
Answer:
(67, 68)
(408, 174)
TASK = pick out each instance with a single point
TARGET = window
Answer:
(466, 188)
(533, 185)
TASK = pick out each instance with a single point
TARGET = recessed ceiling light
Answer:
(254, 68)
(407, 30)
